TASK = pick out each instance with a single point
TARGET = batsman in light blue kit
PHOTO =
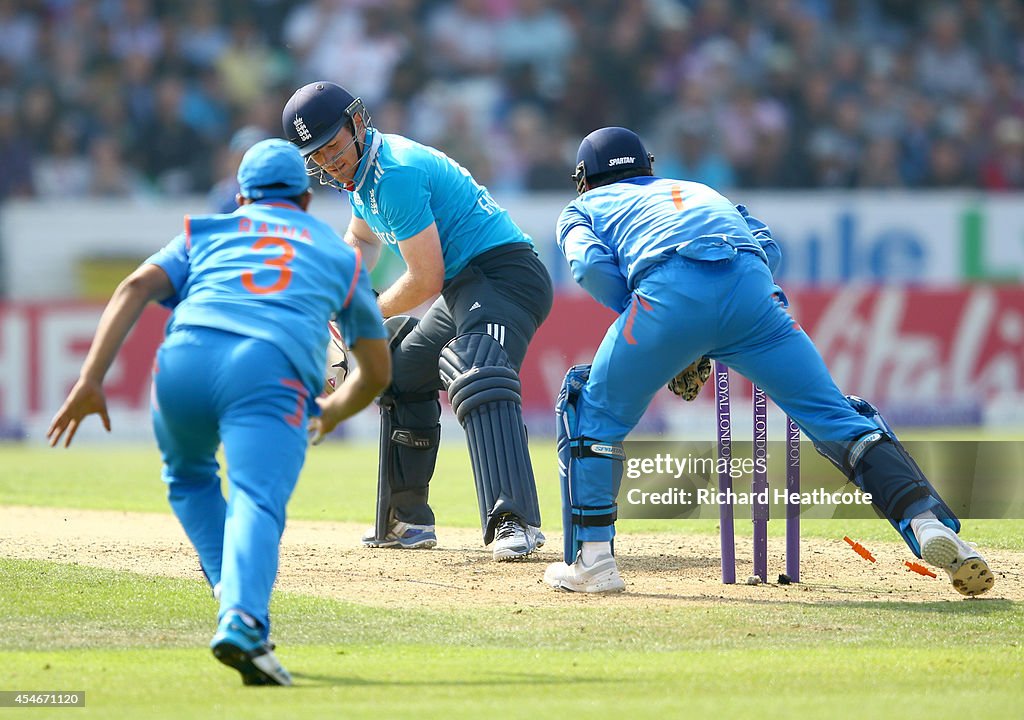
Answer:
(488, 294)
(690, 275)
(242, 364)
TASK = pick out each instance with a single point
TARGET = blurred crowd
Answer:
(122, 98)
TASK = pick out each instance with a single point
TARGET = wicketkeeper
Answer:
(691, 276)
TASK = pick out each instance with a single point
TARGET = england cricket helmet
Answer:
(316, 112)
(610, 150)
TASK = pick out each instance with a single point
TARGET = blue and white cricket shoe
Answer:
(943, 548)
(242, 647)
(403, 535)
(515, 540)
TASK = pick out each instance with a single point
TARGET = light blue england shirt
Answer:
(401, 187)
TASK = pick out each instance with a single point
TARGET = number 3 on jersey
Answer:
(284, 273)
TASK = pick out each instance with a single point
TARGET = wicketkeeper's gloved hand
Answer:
(688, 383)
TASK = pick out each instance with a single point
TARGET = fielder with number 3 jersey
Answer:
(690, 275)
(457, 242)
(241, 364)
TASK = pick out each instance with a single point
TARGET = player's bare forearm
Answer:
(424, 277)
(369, 250)
(120, 315)
(408, 292)
(86, 397)
(361, 237)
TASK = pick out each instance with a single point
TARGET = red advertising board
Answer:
(907, 349)
(893, 345)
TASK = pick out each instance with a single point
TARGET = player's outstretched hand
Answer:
(688, 383)
(320, 427)
(85, 398)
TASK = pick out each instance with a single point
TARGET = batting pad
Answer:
(484, 391)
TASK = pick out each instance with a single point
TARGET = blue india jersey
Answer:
(401, 187)
(641, 221)
(273, 272)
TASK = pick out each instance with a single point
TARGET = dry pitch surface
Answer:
(326, 559)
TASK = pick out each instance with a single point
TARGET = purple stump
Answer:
(725, 510)
(759, 486)
(792, 508)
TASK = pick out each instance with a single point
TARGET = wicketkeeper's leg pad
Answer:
(877, 463)
(484, 392)
(576, 465)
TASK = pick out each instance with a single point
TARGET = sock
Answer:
(592, 551)
(926, 517)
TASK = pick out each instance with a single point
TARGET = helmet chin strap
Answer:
(363, 168)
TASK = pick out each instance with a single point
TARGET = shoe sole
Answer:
(507, 555)
(593, 589)
(239, 659)
(940, 551)
(973, 577)
(397, 545)
(512, 555)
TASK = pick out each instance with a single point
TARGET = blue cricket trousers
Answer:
(681, 309)
(211, 386)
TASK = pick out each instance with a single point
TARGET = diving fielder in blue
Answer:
(242, 364)
(690, 275)
(492, 293)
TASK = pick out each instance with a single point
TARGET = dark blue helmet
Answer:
(610, 150)
(313, 116)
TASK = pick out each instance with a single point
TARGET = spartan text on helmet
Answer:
(621, 161)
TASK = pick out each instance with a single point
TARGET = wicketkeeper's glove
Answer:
(688, 383)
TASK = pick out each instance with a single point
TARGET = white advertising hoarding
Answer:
(937, 238)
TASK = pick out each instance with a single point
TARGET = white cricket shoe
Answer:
(943, 548)
(600, 577)
(514, 540)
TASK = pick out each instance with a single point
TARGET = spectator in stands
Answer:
(946, 65)
(203, 37)
(222, 198)
(538, 35)
(19, 33)
(111, 177)
(946, 165)
(136, 30)
(63, 171)
(692, 155)
(1004, 168)
(15, 156)
(776, 82)
(880, 165)
(464, 38)
(174, 156)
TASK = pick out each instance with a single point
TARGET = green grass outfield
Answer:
(137, 644)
